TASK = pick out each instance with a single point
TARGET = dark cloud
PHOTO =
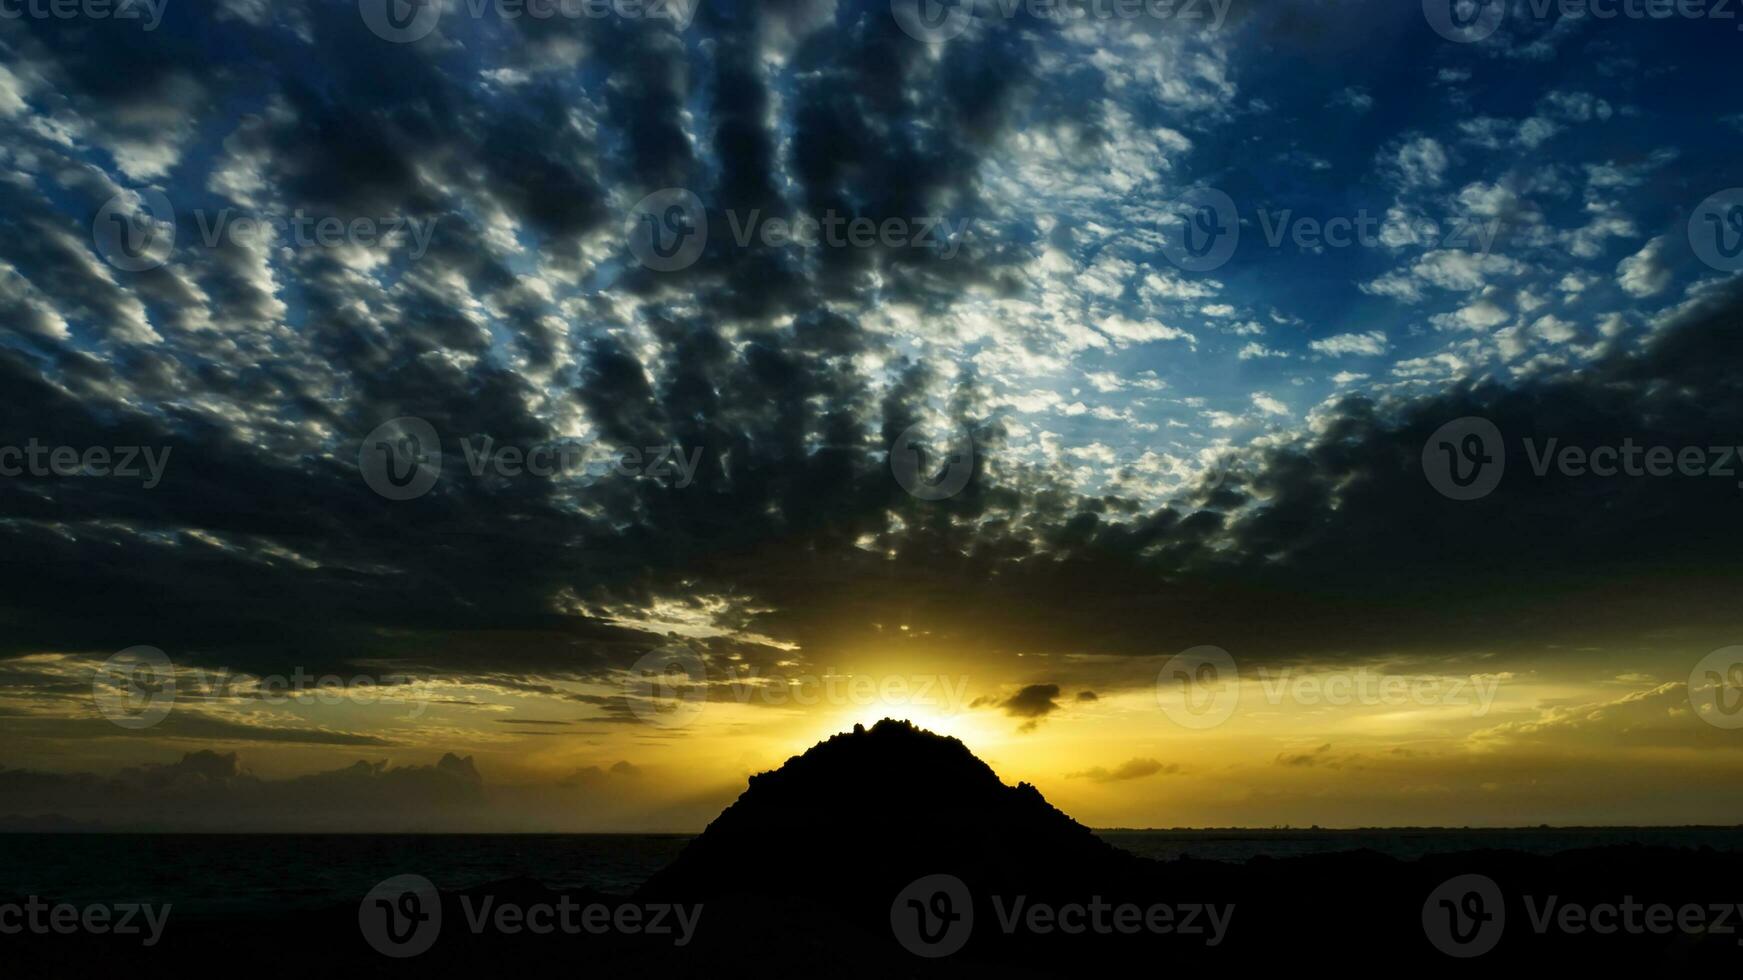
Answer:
(1034, 702)
(1130, 769)
(212, 790)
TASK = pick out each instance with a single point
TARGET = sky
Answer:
(476, 416)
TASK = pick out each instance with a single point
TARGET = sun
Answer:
(970, 727)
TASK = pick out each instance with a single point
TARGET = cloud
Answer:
(1646, 272)
(1420, 162)
(210, 790)
(1034, 702)
(1128, 770)
(1370, 344)
(1354, 98)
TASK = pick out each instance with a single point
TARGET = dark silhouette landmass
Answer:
(799, 877)
(874, 806)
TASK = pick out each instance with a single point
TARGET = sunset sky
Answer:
(1165, 456)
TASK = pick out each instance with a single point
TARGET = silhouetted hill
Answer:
(875, 809)
(828, 866)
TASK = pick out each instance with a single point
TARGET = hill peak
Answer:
(875, 808)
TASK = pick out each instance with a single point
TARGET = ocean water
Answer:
(1407, 844)
(208, 874)
(225, 874)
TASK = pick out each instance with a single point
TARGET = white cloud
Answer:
(1645, 273)
(1372, 344)
(1270, 406)
(1421, 162)
(1258, 350)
